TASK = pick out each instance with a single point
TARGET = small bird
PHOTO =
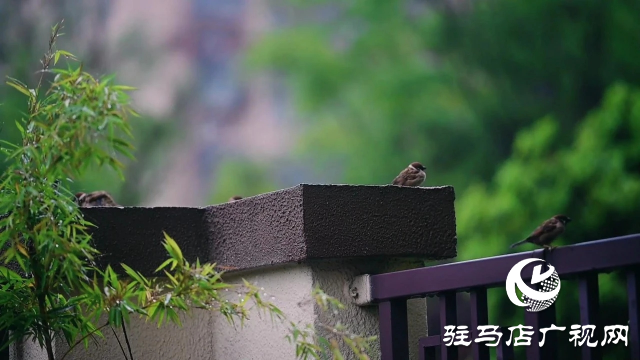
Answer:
(95, 199)
(235, 198)
(413, 175)
(547, 232)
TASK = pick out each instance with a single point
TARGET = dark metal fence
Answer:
(582, 262)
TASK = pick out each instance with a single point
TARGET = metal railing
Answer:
(581, 262)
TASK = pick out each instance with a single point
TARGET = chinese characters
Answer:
(492, 334)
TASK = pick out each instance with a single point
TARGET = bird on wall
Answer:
(235, 198)
(95, 199)
(546, 233)
(413, 175)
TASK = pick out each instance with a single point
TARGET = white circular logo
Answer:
(533, 300)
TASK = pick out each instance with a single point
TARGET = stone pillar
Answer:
(288, 242)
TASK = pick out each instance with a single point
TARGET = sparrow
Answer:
(235, 198)
(413, 175)
(95, 199)
(547, 232)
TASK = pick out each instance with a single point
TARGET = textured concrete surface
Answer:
(267, 229)
(134, 235)
(298, 224)
(355, 221)
(29, 350)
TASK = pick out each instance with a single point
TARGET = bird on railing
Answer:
(546, 233)
(95, 199)
(413, 175)
(235, 198)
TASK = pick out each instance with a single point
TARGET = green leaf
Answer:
(123, 87)
(173, 246)
(10, 144)
(164, 264)
(66, 54)
(9, 274)
(19, 126)
(18, 85)
(324, 342)
(134, 274)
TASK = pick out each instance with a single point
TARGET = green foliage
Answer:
(539, 57)
(77, 120)
(594, 178)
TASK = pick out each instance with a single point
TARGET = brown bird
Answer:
(547, 232)
(235, 198)
(95, 199)
(413, 175)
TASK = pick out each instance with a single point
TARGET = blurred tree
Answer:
(518, 61)
(594, 177)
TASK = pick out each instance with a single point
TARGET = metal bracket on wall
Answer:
(359, 290)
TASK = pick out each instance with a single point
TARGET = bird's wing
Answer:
(406, 177)
(546, 227)
(412, 176)
(101, 198)
(399, 180)
(98, 194)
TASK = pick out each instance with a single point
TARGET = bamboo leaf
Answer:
(18, 85)
(20, 128)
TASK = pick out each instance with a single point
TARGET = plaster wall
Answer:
(208, 335)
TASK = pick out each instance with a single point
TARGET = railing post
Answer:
(589, 304)
(504, 351)
(539, 320)
(633, 295)
(479, 316)
(394, 330)
(448, 316)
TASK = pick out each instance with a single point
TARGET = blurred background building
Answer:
(226, 115)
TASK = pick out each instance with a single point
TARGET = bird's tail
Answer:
(519, 243)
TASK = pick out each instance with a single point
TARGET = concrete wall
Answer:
(207, 335)
(286, 242)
